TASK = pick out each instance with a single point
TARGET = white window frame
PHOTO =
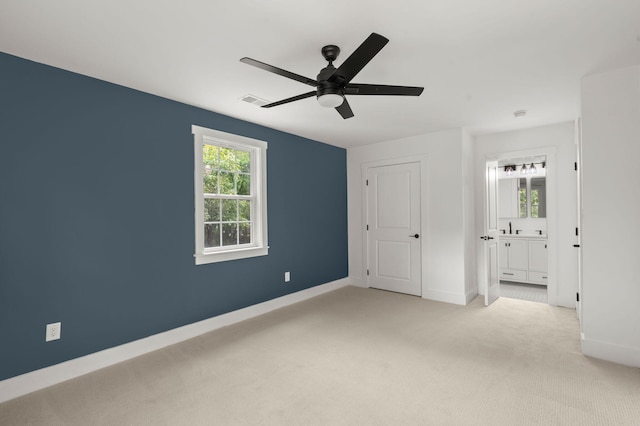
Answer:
(259, 245)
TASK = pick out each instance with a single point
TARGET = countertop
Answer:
(528, 236)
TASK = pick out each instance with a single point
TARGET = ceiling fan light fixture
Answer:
(330, 100)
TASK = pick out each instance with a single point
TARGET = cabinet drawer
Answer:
(538, 277)
(513, 275)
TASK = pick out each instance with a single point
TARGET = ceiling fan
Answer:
(333, 84)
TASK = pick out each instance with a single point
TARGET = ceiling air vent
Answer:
(252, 99)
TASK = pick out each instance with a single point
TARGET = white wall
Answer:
(611, 215)
(445, 241)
(469, 210)
(558, 143)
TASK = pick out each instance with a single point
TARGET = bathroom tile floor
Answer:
(531, 292)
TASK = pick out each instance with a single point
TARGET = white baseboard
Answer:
(45, 377)
(444, 296)
(470, 295)
(358, 282)
(610, 352)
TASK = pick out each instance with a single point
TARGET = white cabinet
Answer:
(513, 259)
(538, 261)
(523, 260)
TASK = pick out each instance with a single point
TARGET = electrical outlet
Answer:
(53, 331)
(287, 277)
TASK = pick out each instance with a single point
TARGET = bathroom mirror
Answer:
(512, 198)
(538, 195)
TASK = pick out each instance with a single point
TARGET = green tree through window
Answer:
(535, 203)
(227, 196)
(523, 201)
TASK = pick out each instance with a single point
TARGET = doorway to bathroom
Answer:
(523, 231)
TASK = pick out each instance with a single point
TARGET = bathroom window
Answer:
(230, 196)
(522, 196)
(535, 203)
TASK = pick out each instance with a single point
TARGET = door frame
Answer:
(552, 212)
(424, 193)
(578, 142)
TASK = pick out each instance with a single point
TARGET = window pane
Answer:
(227, 184)
(534, 202)
(229, 234)
(211, 210)
(523, 202)
(243, 159)
(228, 159)
(210, 180)
(212, 235)
(245, 233)
(244, 184)
(244, 210)
(210, 156)
(229, 210)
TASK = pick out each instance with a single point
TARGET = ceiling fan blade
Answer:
(345, 109)
(280, 71)
(292, 99)
(381, 89)
(359, 58)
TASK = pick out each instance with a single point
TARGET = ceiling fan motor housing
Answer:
(326, 87)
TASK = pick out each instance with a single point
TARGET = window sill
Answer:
(204, 258)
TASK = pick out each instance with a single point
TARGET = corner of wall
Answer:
(610, 352)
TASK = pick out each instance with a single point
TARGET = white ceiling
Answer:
(479, 60)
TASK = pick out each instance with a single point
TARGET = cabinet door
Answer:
(518, 257)
(538, 256)
(503, 254)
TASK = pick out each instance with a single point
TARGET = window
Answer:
(523, 198)
(535, 203)
(230, 196)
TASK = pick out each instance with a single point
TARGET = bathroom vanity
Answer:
(523, 258)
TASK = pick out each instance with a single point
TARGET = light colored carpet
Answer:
(358, 357)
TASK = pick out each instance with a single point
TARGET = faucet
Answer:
(510, 228)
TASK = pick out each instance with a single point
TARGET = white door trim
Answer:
(578, 142)
(424, 222)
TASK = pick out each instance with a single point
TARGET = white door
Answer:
(393, 222)
(490, 237)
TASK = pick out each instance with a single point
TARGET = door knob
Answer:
(415, 236)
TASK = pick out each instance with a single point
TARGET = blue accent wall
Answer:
(96, 217)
